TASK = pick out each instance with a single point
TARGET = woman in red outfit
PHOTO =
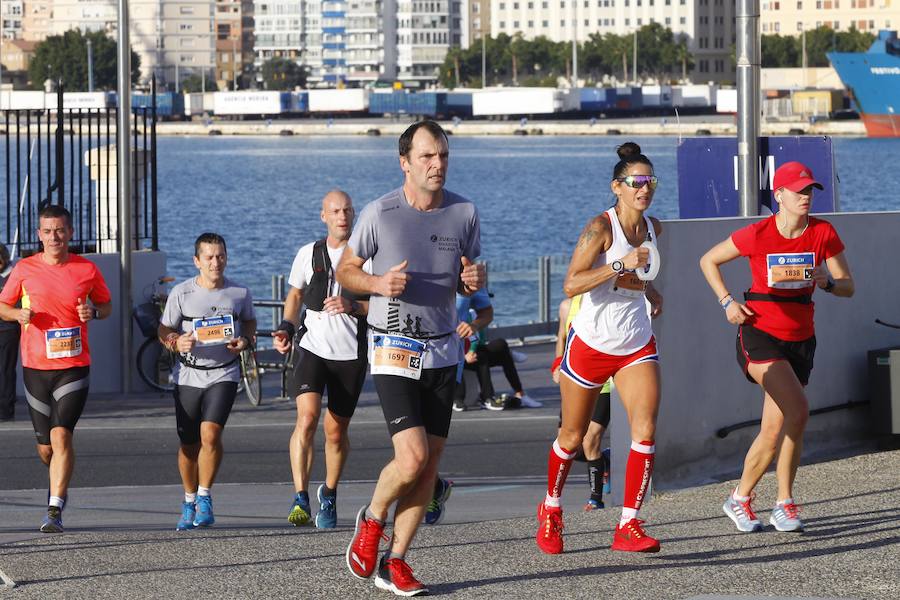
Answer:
(776, 339)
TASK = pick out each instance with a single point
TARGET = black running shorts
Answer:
(55, 398)
(428, 402)
(756, 346)
(342, 378)
(195, 405)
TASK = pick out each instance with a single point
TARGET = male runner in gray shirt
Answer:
(209, 320)
(423, 241)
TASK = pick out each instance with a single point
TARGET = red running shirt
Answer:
(780, 267)
(55, 338)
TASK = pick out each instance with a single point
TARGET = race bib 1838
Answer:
(214, 330)
(63, 343)
(397, 355)
(790, 270)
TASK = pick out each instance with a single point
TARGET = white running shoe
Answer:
(742, 514)
(529, 402)
(518, 356)
(786, 517)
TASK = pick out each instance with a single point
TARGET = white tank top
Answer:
(613, 318)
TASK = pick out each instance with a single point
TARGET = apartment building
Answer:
(11, 13)
(234, 43)
(477, 21)
(36, 19)
(708, 24)
(790, 17)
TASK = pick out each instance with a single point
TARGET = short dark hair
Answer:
(55, 211)
(407, 136)
(209, 238)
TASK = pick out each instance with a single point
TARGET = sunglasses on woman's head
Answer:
(639, 181)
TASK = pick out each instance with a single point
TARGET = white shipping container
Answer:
(23, 100)
(726, 101)
(193, 104)
(74, 100)
(247, 103)
(694, 95)
(657, 95)
(519, 101)
(347, 100)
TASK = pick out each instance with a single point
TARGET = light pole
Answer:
(90, 58)
(123, 189)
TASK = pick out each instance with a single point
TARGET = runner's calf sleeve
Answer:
(638, 471)
(595, 478)
(558, 465)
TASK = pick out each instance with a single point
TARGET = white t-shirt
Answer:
(332, 337)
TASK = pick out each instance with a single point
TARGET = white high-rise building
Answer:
(708, 24)
(791, 17)
(358, 42)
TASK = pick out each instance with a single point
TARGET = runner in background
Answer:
(208, 320)
(60, 293)
(330, 354)
(776, 338)
(598, 464)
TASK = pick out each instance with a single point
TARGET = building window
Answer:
(545, 24)
(187, 10)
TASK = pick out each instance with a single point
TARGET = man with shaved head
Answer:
(328, 356)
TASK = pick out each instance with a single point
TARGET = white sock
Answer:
(785, 501)
(192, 497)
(57, 501)
(735, 495)
(202, 491)
(627, 515)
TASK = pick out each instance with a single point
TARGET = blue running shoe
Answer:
(188, 512)
(606, 470)
(326, 518)
(435, 511)
(204, 516)
(300, 511)
(593, 504)
(52, 522)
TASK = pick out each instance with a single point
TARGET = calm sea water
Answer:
(534, 195)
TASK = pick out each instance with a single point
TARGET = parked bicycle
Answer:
(155, 364)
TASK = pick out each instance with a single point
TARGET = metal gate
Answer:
(56, 152)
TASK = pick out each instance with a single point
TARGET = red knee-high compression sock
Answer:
(638, 471)
(558, 465)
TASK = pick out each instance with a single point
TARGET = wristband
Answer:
(95, 313)
(556, 363)
(288, 327)
(728, 303)
(829, 287)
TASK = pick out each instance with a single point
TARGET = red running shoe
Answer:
(631, 537)
(362, 553)
(394, 575)
(549, 533)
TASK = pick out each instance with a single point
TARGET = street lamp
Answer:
(90, 60)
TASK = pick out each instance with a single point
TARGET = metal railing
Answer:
(67, 156)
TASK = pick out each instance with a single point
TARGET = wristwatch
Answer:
(95, 314)
(829, 286)
(618, 266)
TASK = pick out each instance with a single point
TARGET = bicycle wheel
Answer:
(155, 365)
(251, 377)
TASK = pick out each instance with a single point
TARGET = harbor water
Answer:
(534, 195)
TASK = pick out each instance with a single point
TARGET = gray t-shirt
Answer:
(188, 301)
(390, 231)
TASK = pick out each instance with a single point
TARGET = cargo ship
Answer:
(873, 79)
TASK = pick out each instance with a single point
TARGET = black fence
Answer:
(66, 155)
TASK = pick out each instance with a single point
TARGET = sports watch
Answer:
(618, 266)
(95, 313)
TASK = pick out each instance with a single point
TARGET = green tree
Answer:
(778, 51)
(283, 74)
(193, 84)
(64, 57)
(658, 53)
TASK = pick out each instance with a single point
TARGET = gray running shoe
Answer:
(786, 517)
(742, 514)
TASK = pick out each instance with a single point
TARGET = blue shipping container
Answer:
(168, 104)
(597, 98)
(459, 104)
(302, 101)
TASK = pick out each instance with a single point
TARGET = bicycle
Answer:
(155, 364)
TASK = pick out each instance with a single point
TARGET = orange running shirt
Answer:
(55, 338)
